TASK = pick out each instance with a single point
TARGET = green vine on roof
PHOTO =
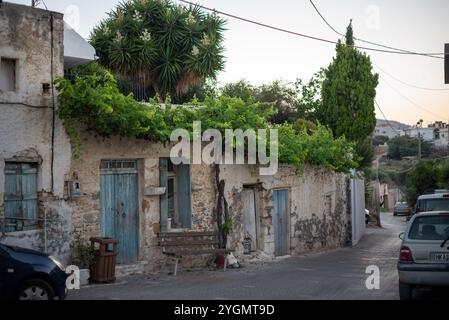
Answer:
(92, 101)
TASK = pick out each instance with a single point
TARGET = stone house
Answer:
(288, 213)
(34, 149)
(128, 188)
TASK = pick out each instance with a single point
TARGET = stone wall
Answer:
(86, 209)
(318, 208)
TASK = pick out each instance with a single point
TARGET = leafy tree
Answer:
(364, 152)
(308, 101)
(171, 47)
(424, 176)
(241, 89)
(348, 93)
(302, 124)
(380, 140)
(279, 95)
(405, 146)
(282, 97)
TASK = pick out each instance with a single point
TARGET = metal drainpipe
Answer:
(53, 123)
(353, 208)
(45, 231)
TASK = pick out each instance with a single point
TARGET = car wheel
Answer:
(36, 289)
(405, 291)
(395, 214)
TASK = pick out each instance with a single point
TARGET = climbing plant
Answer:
(92, 101)
(171, 46)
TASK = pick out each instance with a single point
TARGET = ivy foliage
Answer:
(171, 46)
(318, 147)
(92, 101)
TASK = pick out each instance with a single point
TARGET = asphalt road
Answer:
(337, 274)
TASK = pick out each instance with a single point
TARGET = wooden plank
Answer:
(249, 215)
(163, 180)
(187, 234)
(29, 193)
(187, 243)
(184, 196)
(195, 252)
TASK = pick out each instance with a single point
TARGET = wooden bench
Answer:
(179, 244)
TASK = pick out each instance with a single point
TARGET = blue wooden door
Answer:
(119, 207)
(280, 223)
(20, 196)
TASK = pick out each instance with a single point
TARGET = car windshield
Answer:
(430, 228)
(440, 204)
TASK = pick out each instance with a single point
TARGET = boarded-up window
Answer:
(20, 196)
(176, 201)
(7, 74)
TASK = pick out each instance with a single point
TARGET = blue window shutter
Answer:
(163, 180)
(184, 196)
(29, 193)
(20, 194)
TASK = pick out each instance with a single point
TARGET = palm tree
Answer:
(171, 47)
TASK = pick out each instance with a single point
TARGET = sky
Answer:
(261, 55)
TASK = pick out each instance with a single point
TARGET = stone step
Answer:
(123, 270)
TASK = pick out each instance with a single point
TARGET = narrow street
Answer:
(338, 274)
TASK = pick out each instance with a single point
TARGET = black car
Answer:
(30, 275)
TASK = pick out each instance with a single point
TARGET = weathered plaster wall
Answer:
(87, 217)
(26, 113)
(319, 215)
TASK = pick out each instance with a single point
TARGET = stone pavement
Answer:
(337, 274)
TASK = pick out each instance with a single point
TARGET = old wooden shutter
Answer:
(184, 196)
(20, 195)
(163, 179)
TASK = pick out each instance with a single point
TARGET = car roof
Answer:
(434, 196)
(431, 213)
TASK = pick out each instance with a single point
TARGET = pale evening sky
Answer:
(261, 55)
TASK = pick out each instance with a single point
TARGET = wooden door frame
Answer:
(139, 196)
(257, 202)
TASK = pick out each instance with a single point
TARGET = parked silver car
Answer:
(424, 256)
(401, 208)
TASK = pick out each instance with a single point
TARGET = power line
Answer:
(388, 122)
(293, 32)
(424, 54)
(408, 84)
(411, 101)
(399, 51)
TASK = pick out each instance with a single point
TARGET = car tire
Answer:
(405, 291)
(35, 289)
(395, 214)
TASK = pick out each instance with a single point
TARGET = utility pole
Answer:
(446, 63)
(419, 125)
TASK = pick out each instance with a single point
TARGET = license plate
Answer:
(440, 256)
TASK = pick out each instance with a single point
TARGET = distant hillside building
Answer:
(386, 130)
(427, 134)
(441, 134)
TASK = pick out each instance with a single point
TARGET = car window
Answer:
(430, 228)
(441, 204)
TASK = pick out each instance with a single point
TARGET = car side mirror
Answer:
(401, 235)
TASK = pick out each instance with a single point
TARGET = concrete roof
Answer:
(76, 49)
